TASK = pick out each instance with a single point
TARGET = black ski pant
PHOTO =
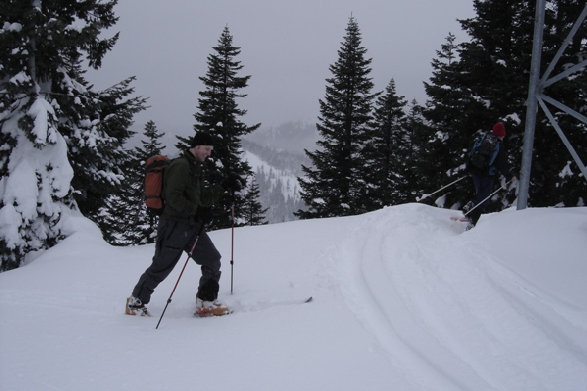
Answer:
(173, 238)
(483, 186)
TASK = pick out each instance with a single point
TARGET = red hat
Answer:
(499, 129)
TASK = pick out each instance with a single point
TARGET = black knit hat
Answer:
(201, 139)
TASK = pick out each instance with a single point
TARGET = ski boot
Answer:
(134, 306)
(210, 308)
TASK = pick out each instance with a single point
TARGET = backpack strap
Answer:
(494, 157)
(478, 141)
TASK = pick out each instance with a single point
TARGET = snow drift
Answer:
(403, 300)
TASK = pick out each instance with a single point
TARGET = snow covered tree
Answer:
(48, 114)
(99, 157)
(387, 152)
(219, 115)
(334, 184)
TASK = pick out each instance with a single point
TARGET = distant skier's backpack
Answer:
(154, 170)
(483, 153)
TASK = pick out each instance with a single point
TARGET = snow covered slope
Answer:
(286, 180)
(403, 299)
(279, 190)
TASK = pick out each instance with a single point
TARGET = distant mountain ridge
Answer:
(276, 174)
(290, 137)
(276, 156)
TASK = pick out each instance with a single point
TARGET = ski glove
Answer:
(204, 214)
(232, 182)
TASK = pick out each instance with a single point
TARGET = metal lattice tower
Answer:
(536, 98)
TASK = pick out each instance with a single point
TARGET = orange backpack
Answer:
(154, 170)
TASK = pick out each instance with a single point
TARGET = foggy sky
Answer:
(286, 47)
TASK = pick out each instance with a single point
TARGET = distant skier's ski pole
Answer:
(488, 197)
(180, 274)
(441, 189)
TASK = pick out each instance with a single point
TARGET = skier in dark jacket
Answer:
(181, 222)
(484, 180)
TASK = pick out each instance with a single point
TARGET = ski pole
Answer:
(232, 251)
(488, 197)
(180, 274)
(441, 189)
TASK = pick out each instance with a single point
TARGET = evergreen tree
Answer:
(150, 143)
(387, 153)
(99, 158)
(419, 168)
(113, 218)
(124, 219)
(146, 225)
(556, 178)
(495, 66)
(47, 114)
(218, 114)
(497, 62)
(447, 108)
(334, 185)
(253, 212)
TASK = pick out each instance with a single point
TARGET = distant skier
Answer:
(182, 220)
(486, 158)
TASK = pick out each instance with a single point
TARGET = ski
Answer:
(206, 309)
(261, 306)
(254, 307)
(212, 315)
(463, 219)
(258, 307)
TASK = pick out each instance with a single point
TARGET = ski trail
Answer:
(444, 311)
(244, 305)
(394, 318)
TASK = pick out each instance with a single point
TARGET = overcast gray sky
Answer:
(286, 47)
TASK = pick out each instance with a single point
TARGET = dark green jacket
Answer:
(182, 187)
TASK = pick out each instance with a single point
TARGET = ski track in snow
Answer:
(483, 302)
